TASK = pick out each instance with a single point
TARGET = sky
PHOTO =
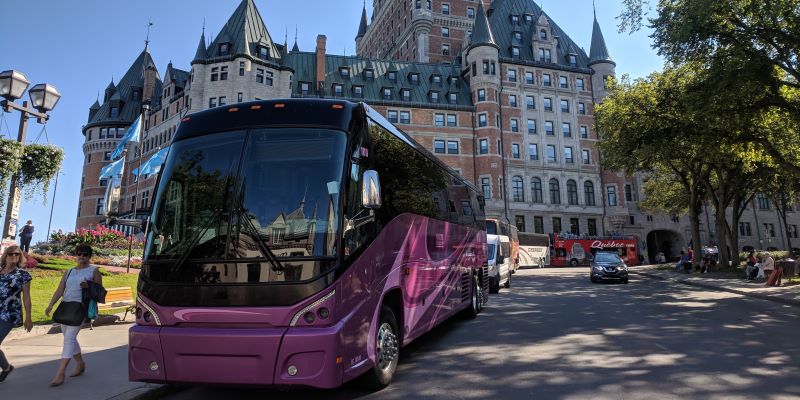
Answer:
(80, 46)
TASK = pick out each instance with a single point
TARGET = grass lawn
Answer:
(45, 281)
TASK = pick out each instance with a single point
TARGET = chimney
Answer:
(321, 40)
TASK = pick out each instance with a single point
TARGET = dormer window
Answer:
(392, 76)
(224, 49)
(433, 96)
(136, 94)
(543, 34)
(386, 93)
(114, 113)
(405, 94)
(358, 92)
(514, 52)
(516, 38)
(413, 78)
(515, 19)
(369, 75)
(545, 55)
(344, 72)
(454, 81)
(573, 60)
(528, 18)
(436, 79)
(305, 88)
(263, 52)
(338, 89)
(453, 98)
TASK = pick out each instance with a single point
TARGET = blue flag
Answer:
(113, 169)
(153, 165)
(131, 136)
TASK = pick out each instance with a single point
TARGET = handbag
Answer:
(71, 313)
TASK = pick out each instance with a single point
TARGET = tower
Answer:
(600, 62)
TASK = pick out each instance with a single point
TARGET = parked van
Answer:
(500, 270)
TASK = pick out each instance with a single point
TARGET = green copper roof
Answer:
(244, 33)
(599, 51)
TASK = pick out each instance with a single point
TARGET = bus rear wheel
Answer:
(476, 300)
(387, 350)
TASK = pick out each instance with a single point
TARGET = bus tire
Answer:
(573, 262)
(387, 351)
(508, 281)
(494, 285)
(476, 300)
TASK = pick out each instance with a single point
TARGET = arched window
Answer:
(588, 193)
(555, 192)
(536, 191)
(517, 189)
(572, 192)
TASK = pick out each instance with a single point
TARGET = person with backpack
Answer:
(25, 236)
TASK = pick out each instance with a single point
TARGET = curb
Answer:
(54, 328)
(721, 288)
(149, 391)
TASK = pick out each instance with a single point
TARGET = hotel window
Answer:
(223, 73)
(564, 106)
(538, 224)
(566, 129)
(588, 193)
(481, 94)
(224, 48)
(241, 68)
(611, 192)
(515, 19)
(98, 209)
(763, 201)
(445, 9)
(515, 151)
(453, 98)
(470, 12)
(533, 151)
(745, 229)
(413, 78)
(512, 75)
(436, 79)
(542, 34)
(586, 157)
(114, 113)
(451, 120)
(259, 75)
(434, 97)
(107, 156)
(514, 52)
(344, 72)
(591, 225)
(572, 193)
(532, 126)
(486, 187)
(568, 155)
(516, 38)
(793, 231)
(358, 91)
(239, 97)
(212, 102)
(562, 82)
(581, 108)
(445, 31)
(392, 75)
(551, 153)
(517, 189)
(438, 119)
(769, 230)
(369, 75)
(514, 125)
(529, 78)
(520, 222)
(555, 193)
(304, 88)
(486, 67)
(579, 84)
(405, 117)
(452, 147)
(214, 74)
(548, 128)
(483, 146)
(387, 93)
(573, 61)
(482, 120)
(438, 146)
(628, 192)
(536, 191)
(223, 101)
(530, 102)
(546, 80)
(545, 55)
(445, 49)
(548, 104)
(338, 90)
(405, 94)
(512, 100)
(391, 115)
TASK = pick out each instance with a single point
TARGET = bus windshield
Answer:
(267, 193)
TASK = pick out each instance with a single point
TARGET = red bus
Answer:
(574, 250)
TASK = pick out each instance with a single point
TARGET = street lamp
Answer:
(44, 98)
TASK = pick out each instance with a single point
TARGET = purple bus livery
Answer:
(301, 243)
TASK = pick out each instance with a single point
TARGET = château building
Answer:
(496, 89)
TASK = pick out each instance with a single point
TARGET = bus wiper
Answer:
(268, 254)
(186, 250)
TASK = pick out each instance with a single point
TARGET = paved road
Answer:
(554, 335)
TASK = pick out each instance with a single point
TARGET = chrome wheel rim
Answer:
(386, 347)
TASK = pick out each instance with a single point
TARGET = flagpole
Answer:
(145, 108)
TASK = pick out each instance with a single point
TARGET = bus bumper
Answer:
(235, 357)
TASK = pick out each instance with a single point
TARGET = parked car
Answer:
(500, 269)
(607, 265)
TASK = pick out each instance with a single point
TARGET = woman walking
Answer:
(69, 289)
(14, 281)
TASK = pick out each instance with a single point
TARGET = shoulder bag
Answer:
(71, 313)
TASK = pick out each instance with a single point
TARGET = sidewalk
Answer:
(105, 350)
(784, 294)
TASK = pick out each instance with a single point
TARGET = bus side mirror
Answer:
(371, 190)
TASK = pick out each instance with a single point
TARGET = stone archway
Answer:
(664, 241)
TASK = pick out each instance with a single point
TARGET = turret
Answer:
(362, 27)
(600, 62)
(93, 109)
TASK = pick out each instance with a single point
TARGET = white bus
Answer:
(534, 250)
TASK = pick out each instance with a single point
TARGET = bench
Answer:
(119, 297)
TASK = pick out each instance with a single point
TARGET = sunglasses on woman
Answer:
(15, 254)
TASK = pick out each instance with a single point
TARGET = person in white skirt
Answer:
(69, 289)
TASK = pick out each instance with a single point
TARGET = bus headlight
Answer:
(308, 312)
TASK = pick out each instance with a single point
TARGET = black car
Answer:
(607, 265)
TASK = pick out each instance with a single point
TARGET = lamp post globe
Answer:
(44, 97)
(13, 84)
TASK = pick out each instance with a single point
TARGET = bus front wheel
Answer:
(387, 351)
(574, 262)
